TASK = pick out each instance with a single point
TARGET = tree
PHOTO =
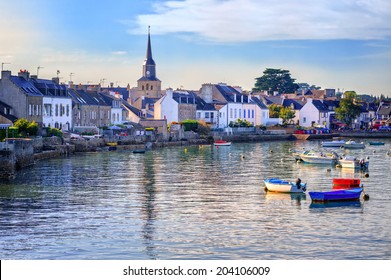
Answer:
(274, 111)
(287, 114)
(275, 80)
(348, 109)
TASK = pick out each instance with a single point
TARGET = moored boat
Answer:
(353, 162)
(334, 143)
(353, 145)
(376, 143)
(336, 195)
(221, 143)
(345, 183)
(278, 185)
(318, 157)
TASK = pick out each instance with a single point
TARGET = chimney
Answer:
(5, 74)
(25, 74)
(241, 98)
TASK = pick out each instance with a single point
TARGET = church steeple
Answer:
(149, 66)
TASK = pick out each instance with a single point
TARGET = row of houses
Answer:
(52, 104)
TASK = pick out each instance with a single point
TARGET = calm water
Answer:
(203, 203)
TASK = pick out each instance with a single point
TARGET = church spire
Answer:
(149, 66)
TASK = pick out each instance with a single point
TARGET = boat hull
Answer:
(333, 144)
(354, 164)
(276, 185)
(317, 160)
(223, 144)
(338, 195)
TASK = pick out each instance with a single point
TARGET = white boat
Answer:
(221, 143)
(353, 145)
(353, 162)
(319, 157)
(334, 143)
(278, 185)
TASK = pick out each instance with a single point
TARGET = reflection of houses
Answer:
(176, 106)
(43, 101)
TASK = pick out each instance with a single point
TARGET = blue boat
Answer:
(376, 143)
(337, 195)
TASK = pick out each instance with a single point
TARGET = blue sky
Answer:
(343, 44)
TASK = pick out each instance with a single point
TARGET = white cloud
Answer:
(254, 20)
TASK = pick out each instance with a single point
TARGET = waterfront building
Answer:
(44, 101)
(6, 116)
(315, 113)
(176, 106)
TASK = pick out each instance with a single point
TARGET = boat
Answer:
(376, 143)
(353, 145)
(221, 143)
(353, 162)
(336, 195)
(334, 143)
(138, 151)
(318, 157)
(278, 185)
(345, 183)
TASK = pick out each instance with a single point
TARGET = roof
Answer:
(320, 106)
(385, 110)
(87, 98)
(259, 103)
(229, 93)
(184, 98)
(121, 90)
(288, 103)
(203, 106)
(10, 117)
(28, 88)
(136, 111)
(49, 87)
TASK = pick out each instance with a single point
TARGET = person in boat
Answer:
(298, 183)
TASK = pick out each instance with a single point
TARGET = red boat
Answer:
(221, 143)
(345, 183)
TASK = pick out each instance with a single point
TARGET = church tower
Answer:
(149, 85)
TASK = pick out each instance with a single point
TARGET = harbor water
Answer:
(197, 202)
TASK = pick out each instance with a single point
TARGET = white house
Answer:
(57, 112)
(176, 106)
(315, 113)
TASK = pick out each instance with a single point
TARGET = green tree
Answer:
(275, 80)
(286, 114)
(348, 109)
(274, 111)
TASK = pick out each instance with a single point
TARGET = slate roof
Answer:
(259, 102)
(288, 103)
(385, 110)
(87, 98)
(49, 87)
(229, 92)
(184, 98)
(320, 106)
(10, 117)
(136, 111)
(28, 87)
(202, 105)
(121, 90)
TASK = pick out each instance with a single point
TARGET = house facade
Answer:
(314, 113)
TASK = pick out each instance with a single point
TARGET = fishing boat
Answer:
(353, 145)
(334, 143)
(221, 143)
(345, 183)
(278, 185)
(318, 157)
(376, 143)
(353, 162)
(336, 195)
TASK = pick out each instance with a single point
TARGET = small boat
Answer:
(376, 143)
(337, 195)
(221, 143)
(345, 183)
(138, 151)
(318, 157)
(278, 185)
(334, 143)
(353, 145)
(353, 162)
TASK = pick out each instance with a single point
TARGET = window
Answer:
(56, 111)
(113, 117)
(304, 120)
(220, 115)
(142, 87)
(151, 87)
(230, 113)
(206, 115)
(248, 113)
(236, 113)
(252, 112)
(240, 113)
(30, 110)
(244, 113)
(67, 110)
(198, 115)
(211, 115)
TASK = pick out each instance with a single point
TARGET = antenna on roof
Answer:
(39, 67)
(70, 77)
(2, 65)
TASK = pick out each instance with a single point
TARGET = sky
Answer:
(340, 44)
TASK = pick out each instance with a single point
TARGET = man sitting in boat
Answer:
(298, 183)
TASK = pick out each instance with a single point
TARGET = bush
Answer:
(54, 132)
(13, 132)
(26, 128)
(190, 125)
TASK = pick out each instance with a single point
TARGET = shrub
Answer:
(54, 132)
(190, 125)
